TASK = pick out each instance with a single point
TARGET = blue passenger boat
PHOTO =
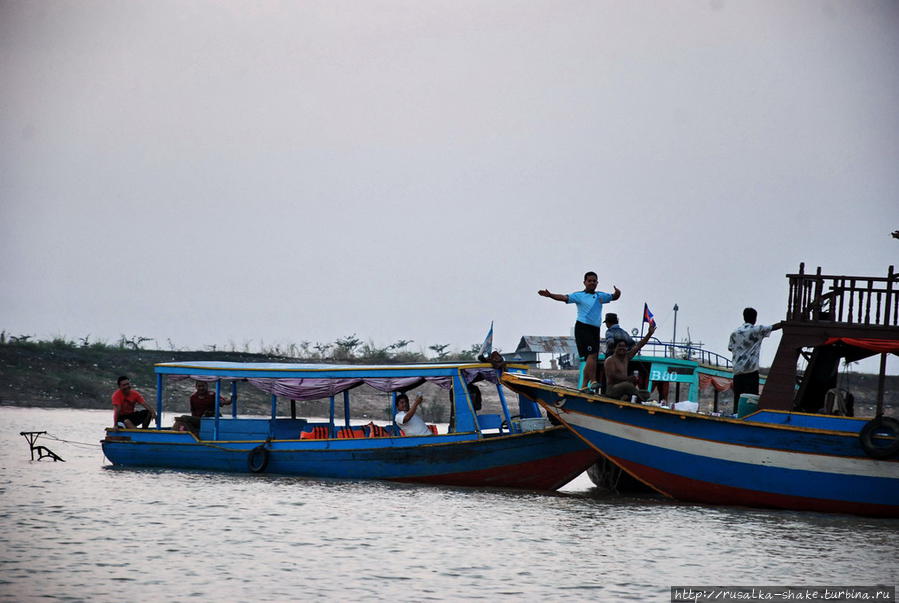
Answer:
(498, 450)
(788, 454)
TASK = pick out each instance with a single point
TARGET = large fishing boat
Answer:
(675, 372)
(479, 449)
(789, 453)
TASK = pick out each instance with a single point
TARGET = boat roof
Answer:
(280, 370)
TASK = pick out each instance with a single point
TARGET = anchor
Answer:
(42, 451)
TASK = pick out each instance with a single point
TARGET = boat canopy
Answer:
(302, 382)
(317, 381)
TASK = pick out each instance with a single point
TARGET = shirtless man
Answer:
(620, 385)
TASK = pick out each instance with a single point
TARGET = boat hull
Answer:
(693, 457)
(538, 460)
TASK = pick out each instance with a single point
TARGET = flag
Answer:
(487, 346)
(647, 315)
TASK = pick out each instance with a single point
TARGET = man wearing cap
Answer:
(589, 318)
(619, 385)
(614, 334)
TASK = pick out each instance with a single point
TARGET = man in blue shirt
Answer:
(589, 318)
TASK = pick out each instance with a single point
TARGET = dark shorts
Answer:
(138, 418)
(747, 383)
(587, 339)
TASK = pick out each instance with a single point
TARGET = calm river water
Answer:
(81, 530)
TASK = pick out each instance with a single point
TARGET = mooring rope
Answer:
(73, 442)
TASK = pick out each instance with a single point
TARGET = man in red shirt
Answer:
(202, 404)
(124, 400)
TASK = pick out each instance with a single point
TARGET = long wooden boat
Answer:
(781, 456)
(496, 450)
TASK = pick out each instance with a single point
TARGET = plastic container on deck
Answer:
(749, 403)
(532, 424)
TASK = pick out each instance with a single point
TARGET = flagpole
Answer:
(674, 335)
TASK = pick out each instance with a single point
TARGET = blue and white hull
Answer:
(770, 459)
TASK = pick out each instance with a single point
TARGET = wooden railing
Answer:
(857, 300)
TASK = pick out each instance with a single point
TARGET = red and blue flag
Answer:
(647, 315)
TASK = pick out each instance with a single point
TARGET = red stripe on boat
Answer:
(545, 474)
(694, 490)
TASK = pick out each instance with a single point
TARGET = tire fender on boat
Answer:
(257, 460)
(880, 426)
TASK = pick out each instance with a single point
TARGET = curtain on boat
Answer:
(480, 374)
(722, 384)
(881, 346)
(315, 388)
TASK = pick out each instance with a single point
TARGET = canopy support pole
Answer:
(159, 387)
(393, 412)
(502, 400)
(331, 418)
(346, 409)
(233, 399)
(218, 405)
(881, 379)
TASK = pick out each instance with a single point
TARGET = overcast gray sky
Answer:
(215, 172)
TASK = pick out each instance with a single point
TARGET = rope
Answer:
(88, 444)
(50, 436)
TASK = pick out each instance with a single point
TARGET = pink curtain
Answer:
(722, 384)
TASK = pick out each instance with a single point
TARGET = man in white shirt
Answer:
(408, 421)
(746, 343)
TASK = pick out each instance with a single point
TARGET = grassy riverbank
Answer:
(63, 375)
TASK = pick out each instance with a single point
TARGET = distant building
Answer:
(562, 350)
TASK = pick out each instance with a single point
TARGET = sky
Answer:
(260, 173)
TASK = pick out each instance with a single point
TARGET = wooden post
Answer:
(888, 302)
(819, 290)
(869, 295)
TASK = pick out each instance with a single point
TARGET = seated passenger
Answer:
(124, 399)
(620, 385)
(202, 404)
(614, 334)
(408, 421)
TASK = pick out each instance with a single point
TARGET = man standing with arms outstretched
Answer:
(589, 318)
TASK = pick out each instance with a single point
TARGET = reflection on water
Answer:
(84, 530)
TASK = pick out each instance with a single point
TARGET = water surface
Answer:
(82, 530)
